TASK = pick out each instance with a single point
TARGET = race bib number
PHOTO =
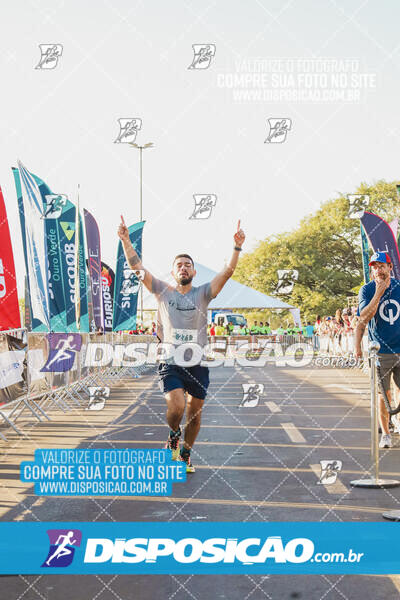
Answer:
(182, 336)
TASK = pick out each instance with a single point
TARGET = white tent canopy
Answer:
(234, 294)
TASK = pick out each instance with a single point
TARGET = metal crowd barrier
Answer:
(325, 346)
(252, 346)
(41, 392)
(331, 344)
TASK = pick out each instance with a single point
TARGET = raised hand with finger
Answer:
(123, 232)
(239, 236)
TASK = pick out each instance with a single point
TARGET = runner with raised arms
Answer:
(182, 317)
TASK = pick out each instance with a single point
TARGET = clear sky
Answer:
(130, 59)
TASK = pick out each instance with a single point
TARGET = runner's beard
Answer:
(185, 280)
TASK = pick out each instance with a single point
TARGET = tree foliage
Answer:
(325, 249)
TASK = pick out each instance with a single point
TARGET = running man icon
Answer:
(203, 54)
(62, 549)
(128, 129)
(204, 204)
(62, 347)
(54, 205)
(62, 350)
(63, 543)
(329, 471)
(251, 394)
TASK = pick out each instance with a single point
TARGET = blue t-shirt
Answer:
(384, 327)
(309, 330)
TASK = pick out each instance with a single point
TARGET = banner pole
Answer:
(364, 253)
(77, 271)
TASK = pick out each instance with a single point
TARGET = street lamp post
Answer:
(141, 148)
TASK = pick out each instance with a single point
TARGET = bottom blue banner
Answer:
(212, 548)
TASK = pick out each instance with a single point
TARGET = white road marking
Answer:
(346, 388)
(274, 408)
(293, 433)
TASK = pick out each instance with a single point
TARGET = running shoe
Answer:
(396, 424)
(386, 441)
(173, 444)
(189, 467)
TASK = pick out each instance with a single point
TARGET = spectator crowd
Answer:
(327, 334)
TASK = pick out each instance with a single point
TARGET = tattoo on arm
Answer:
(133, 260)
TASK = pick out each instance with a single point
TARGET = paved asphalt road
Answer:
(258, 463)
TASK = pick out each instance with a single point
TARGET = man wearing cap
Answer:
(379, 306)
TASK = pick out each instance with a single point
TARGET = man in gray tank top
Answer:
(182, 319)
